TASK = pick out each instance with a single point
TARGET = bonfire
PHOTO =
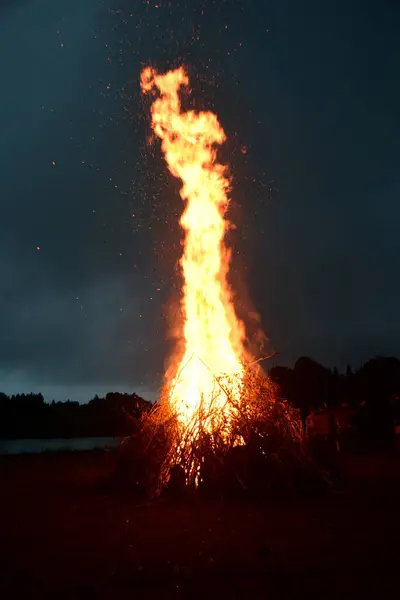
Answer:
(216, 397)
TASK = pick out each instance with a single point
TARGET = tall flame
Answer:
(213, 334)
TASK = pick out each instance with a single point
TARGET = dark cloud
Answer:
(312, 92)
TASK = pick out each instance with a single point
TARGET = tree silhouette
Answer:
(372, 391)
(376, 384)
(29, 416)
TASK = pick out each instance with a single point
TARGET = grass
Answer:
(64, 534)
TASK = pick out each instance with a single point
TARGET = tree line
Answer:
(372, 392)
(25, 416)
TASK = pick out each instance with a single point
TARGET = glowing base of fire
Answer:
(201, 400)
(241, 410)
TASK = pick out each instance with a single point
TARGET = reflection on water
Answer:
(56, 445)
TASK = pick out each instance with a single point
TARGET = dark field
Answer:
(64, 534)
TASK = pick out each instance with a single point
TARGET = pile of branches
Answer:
(254, 445)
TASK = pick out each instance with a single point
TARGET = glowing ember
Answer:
(213, 335)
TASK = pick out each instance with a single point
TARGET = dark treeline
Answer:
(372, 392)
(29, 416)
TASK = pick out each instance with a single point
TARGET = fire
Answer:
(213, 335)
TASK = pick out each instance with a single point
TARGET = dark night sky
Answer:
(310, 88)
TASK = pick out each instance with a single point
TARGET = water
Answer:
(34, 446)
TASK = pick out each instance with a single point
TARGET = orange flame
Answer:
(213, 335)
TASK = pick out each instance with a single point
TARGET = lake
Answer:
(34, 446)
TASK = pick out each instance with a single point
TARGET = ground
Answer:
(64, 535)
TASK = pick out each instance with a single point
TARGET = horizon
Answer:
(83, 395)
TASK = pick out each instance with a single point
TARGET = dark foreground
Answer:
(65, 535)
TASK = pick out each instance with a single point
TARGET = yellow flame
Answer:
(213, 335)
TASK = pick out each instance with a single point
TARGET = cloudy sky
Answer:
(88, 232)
